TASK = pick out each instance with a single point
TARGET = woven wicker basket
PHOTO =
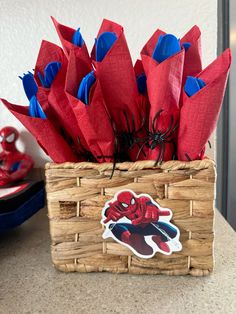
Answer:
(77, 192)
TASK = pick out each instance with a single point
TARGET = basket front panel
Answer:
(76, 198)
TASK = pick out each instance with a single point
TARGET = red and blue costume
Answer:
(144, 216)
(14, 165)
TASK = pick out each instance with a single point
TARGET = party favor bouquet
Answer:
(130, 188)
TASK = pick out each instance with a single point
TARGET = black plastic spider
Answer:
(156, 137)
(124, 141)
(128, 137)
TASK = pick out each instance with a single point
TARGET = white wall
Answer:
(24, 23)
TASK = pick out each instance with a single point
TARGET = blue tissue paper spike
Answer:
(166, 47)
(193, 85)
(50, 73)
(77, 38)
(186, 46)
(29, 85)
(85, 86)
(103, 44)
(142, 83)
(35, 110)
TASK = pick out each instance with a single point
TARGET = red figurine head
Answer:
(8, 137)
(14, 165)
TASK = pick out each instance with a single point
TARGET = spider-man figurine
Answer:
(144, 215)
(14, 165)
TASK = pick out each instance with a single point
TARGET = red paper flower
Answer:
(200, 112)
(65, 34)
(45, 133)
(93, 118)
(164, 81)
(54, 100)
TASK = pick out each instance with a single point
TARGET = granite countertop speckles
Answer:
(29, 283)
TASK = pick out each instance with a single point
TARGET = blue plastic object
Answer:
(15, 218)
(15, 166)
(186, 46)
(85, 86)
(193, 85)
(103, 44)
(29, 84)
(166, 47)
(35, 109)
(50, 73)
(77, 38)
(142, 83)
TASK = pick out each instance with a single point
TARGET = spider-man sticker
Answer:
(141, 224)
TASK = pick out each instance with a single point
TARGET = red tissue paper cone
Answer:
(93, 118)
(117, 78)
(65, 34)
(147, 51)
(42, 97)
(193, 55)
(164, 81)
(50, 52)
(53, 100)
(45, 133)
(200, 112)
(138, 68)
(132, 138)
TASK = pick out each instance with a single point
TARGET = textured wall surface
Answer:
(24, 23)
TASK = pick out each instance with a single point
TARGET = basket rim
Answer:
(137, 165)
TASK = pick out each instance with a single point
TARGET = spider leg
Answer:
(140, 149)
(138, 140)
(83, 150)
(116, 152)
(187, 156)
(147, 129)
(155, 118)
(159, 155)
(139, 146)
(175, 149)
(170, 126)
(133, 124)
(114, 128)
(163, 152)
(79, 143)
(172, 131)
(127, 120)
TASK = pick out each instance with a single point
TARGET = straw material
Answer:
(77, 192)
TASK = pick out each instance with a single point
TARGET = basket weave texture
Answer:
(77, 192)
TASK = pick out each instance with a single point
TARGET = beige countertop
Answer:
(29, 283)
